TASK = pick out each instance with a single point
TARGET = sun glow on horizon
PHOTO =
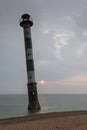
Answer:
(42, 82)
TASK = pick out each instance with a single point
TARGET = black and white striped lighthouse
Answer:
(26, 22)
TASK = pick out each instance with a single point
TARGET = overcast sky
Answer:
(59, 38)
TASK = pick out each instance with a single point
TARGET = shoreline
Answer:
(36, 116)
(47, 121)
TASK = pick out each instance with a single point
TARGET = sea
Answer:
(16, 105)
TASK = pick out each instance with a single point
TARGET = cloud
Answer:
(68, 44)
(80, 51)
(81, 20)
(74, 84)
(61, 39)
(55, 38)
(46, 31)
(85, 33)
(67, 18)
(76, 80)
(43, 62)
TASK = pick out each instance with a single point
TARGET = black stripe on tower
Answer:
(30, 65)
(28, 43)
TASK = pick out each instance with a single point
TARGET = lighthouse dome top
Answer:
(25, 16)
(26, 19)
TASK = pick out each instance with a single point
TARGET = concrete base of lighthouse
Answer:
(34, 105)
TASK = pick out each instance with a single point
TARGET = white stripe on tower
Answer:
(27, 32)
(31, 77)
(29, 54)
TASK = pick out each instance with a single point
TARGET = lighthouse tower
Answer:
(26, 22)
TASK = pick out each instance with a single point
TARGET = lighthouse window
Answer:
(33, 92)
(30, 77)
(29, 54)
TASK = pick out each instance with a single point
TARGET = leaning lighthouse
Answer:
(26, 22)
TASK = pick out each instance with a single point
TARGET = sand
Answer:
(75, 120)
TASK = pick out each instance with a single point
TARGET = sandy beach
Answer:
(75, 120)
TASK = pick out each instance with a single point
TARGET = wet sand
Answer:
(75, 120)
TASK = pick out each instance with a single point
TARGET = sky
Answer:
(59, 38)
